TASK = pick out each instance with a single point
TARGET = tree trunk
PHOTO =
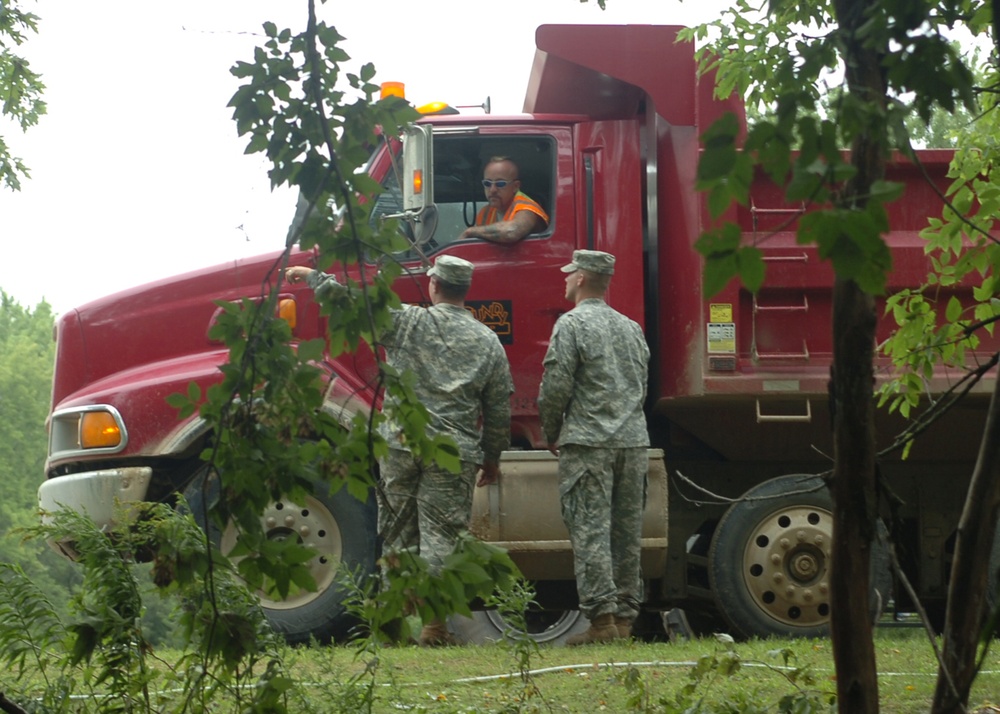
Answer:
(970, 572)
(852, 395)
(854, 497)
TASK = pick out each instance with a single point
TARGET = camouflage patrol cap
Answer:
(452, 270)
(595, 261)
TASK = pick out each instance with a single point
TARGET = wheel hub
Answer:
(786, 565)
(310, 524)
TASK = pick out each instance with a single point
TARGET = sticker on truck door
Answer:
(720, 312)
(721, 329)
(722, 337)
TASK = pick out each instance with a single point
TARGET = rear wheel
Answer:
(769, 562)
(548, 627)
(342, 531)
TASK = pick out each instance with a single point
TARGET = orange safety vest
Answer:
(487, 214)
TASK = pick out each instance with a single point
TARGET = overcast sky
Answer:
(137, 172)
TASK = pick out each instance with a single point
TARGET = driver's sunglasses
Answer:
(502, 183)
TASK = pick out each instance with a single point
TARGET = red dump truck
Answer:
(608, 144)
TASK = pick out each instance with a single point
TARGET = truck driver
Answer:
(510, 215)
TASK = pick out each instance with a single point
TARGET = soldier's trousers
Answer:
(602, 495)
(422, 506)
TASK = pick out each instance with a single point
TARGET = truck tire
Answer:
(546, 627)
(769, 563)
(340, 528)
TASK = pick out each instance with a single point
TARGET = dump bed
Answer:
(742, 375)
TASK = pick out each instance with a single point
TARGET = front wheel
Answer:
(769, 562)
(342, 531)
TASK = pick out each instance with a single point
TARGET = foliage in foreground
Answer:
(20, 87)
(37, 646)
(96, 657)
(276, 431)
(895, 61)
(707, 676)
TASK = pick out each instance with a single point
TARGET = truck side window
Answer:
(458, 174)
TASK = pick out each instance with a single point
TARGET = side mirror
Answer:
(419, 210)
(418, 168)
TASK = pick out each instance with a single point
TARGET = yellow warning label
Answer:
(720, 312)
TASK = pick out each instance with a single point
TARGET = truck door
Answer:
(517, 289)
(609, 207)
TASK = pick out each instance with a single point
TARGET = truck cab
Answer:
(518, 289)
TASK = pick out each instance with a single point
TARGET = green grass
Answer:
(623, 677)
(592, 678)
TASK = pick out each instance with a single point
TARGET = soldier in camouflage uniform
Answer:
(590, 406)
(462, 376)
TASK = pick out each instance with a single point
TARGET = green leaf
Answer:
(954, 309)
(716, 162)
(178, 400)
(719, 199)
(751, 268)
(304, 579)
(446, 454)
(719, 248)
(312, 350)
(719, 153)
(887, 191)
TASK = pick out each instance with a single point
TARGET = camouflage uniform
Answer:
(590, 404)
(462, 375)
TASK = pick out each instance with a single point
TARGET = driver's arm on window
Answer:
(523, 223)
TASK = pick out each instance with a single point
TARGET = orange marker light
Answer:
(286, 311)
(393, 89)
(99, 430)
(418, 181)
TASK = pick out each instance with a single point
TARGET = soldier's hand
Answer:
(297, 273)
(489, 475)
(554, 449)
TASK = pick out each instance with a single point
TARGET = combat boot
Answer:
(624, 626)
(435, 634)
(602, 629)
